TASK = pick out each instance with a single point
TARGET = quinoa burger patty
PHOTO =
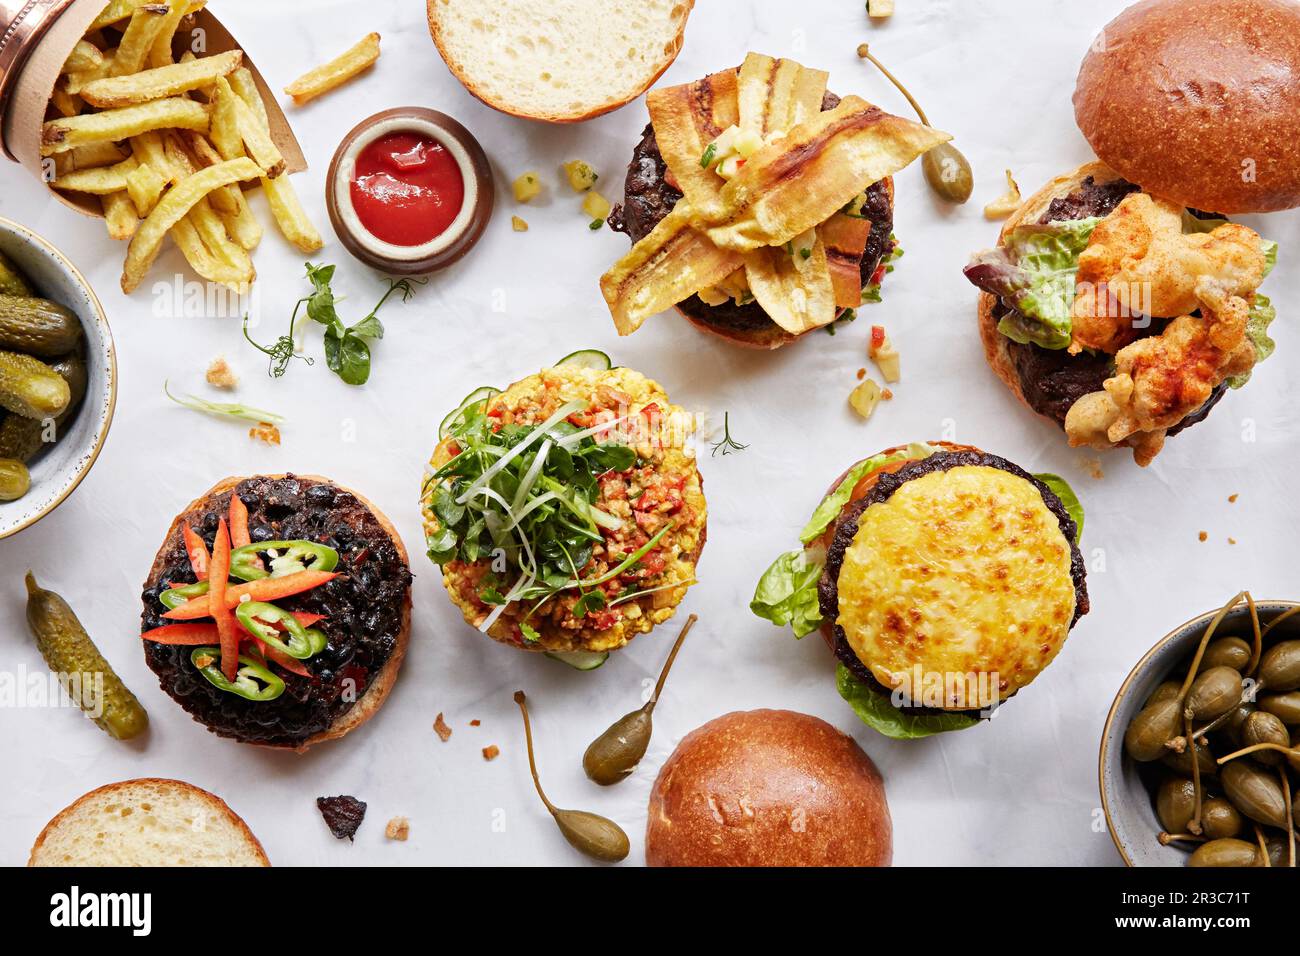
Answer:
(365, 611)
(654, 507)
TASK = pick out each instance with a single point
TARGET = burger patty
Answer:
(846, 528)
(648, 198)
(1052, 380)
(364, 609)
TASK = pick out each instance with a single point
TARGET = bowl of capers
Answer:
(1200, 756)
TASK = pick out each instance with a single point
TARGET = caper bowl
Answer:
(1125, 798)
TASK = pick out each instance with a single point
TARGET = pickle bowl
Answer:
(58, 468)
(1126, 801)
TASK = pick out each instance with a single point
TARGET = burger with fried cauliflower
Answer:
(759, 203)
(566, 512)
(1120, 301)
(943, 579)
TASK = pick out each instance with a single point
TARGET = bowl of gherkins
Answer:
(58, 377)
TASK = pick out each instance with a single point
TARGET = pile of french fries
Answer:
(166, 145)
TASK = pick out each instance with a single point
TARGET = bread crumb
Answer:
(887, 394)
(476, 722)
(518, 225)
(1232, 499)
(399, 828)
(1204, 536)
(1093, 467)
(862, 373)
(221, 375)
(441, 729)
(1232, 541)
(266, 432)
(491, 751)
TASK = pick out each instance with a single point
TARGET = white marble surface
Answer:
(1021, 790)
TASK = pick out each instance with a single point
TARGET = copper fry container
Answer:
(36, 37)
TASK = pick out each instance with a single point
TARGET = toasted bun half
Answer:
(148, 822)
(1199, 101)
(370, 702)
(560, 61)
(768, 788)
(770, 336)
(1031, 210)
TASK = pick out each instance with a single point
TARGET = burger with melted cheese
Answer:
(1120, 302)
(943, 578)
(759, 203)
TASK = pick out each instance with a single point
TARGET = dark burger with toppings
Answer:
(278, 610)
(1120, 302)
(760, 204)
(943, 578)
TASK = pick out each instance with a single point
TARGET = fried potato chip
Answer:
(68, 104)
(76, 81)
(242, 82)
(60, 135)
(145, 186)
(160, 82)
(84, 56)
(336, 72)
(160, 54)
(201, 260)
(289, 214)
(88, 157)
(172, 208)
(115, 12)
(775, 95)
(686, 118)
(257, 141)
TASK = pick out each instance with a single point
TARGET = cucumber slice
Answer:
(473, 398)
(580, 660)
(587, 358)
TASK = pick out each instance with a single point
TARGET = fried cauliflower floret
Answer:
(1160, 380)
(1142, 257)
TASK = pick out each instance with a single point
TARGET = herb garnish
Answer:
(223, 409)
(706, 159)
(527, 493)
(728, 444)
(281, 350)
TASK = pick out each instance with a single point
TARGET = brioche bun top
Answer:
(1198, 101)
(768, 788)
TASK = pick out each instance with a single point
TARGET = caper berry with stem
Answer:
(1220, 819)
(1175, 803)
(1180, 762)
(946, 170)
(1214, 692)
(613, 755)
(1153, 727)
(596, 836)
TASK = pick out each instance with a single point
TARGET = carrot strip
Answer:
(218, 579)
(198, 552)
(184, 635)
(263, 589)
(285, 661)
(238, 523)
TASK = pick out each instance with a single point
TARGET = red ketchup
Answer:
(407, 189)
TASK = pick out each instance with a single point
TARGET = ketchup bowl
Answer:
(409, 191)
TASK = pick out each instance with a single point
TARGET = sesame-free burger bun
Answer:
(1199, 101)
(768, 788)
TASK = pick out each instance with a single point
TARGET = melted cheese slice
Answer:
(964, 574)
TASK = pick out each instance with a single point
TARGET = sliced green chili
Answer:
(252, 681)
(287, 557)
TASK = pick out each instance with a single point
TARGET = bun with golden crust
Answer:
(1199, 101)
(377, 691)
(768, 788)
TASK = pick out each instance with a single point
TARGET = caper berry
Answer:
(1175, 803)
(1285, 706)
(1151, 729)
(1181, 763)
(1226, 652)
(1220, 819)
(1279, 667)
(1225, 853)
(1214, 693)
(1262, 727)
(1169, 690)
(1254, 791)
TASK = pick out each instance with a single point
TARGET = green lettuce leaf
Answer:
(787, 593)
(878, 712)
(1262, 314)
(1035, 271)
(833, 503)
(1061, 488)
